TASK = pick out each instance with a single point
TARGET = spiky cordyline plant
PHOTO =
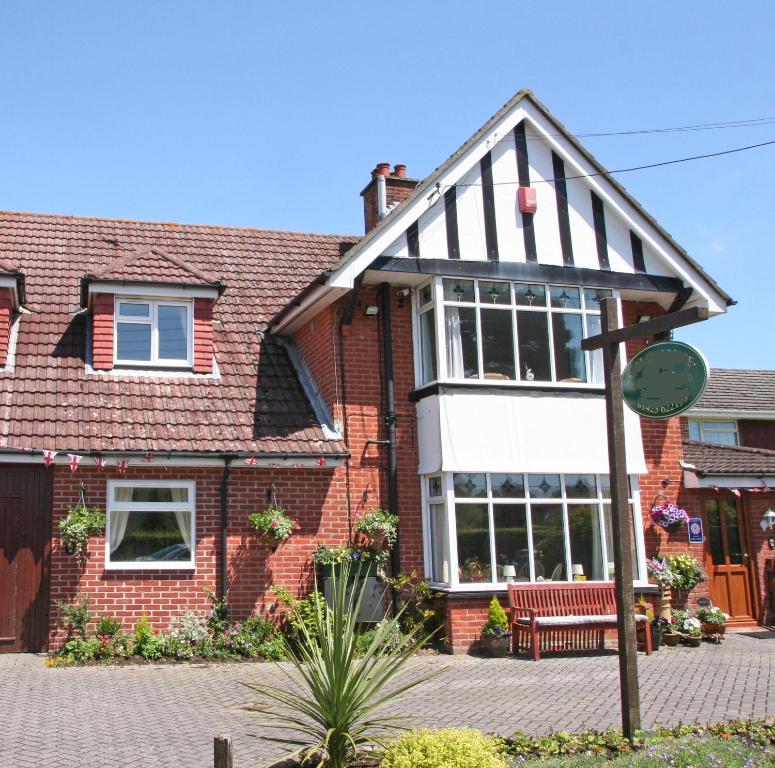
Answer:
(333, 705)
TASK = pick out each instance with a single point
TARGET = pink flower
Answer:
(273, 524)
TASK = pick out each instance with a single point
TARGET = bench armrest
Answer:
(521, 612)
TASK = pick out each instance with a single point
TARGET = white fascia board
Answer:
(404, 215)
(152, 290)
(722, 414)
(316, 301)
(579, 165)
(710, 482)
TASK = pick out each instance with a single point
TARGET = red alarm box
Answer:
(528, 203)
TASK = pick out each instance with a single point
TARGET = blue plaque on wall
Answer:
(695, 530)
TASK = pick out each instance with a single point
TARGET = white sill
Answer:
(147, 364)
(518, 383)
(151, 565)
(489, 586)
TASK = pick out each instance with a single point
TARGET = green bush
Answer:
(108, 627)
(301, 613)
(76, 615)
(497, 624)
(422, 608)
(271, 650)
(448, 748)
(391, 639)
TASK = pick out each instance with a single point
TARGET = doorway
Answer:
(25, 550)
(729, 571)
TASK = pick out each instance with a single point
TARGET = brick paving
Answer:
(166, 716)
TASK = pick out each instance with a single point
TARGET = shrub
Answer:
(421, 608)
(76, 615)
(448, 748)
(80, 649)
(302, 613)
(146, 643)
(190, 628)
(272, 650)
(219, 611)
(392, 638)
(334, 705)
(497, 624)
(257, 628)
(108, 627)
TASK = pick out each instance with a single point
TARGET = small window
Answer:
(153, 332)
(150, 524)
(719, 432)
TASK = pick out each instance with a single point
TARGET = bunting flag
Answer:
(715, 488)
(121, 466)
(736, 491)
(250, 461)
(101, 462)
(148, 458)
(48, 457)
(322, 461)
(73, 459)
(298, 466)
(275, 466)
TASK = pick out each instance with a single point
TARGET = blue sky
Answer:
(272, 115)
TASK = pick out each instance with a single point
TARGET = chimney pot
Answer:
(382, 169)
(400, 171)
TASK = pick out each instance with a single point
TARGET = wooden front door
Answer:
(25, 537)
(729, 566)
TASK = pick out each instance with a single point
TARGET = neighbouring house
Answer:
(729, 481)
(178, 376)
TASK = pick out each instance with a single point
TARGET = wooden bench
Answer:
(567, 608)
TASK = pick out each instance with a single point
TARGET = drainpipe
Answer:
(381, 197)
(390, 416)
(224, 525)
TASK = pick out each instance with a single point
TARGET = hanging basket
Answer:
(668, 515)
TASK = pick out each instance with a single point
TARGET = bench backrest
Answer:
(564, 599)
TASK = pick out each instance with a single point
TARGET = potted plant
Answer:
(668, 515)
(687, 573)
(659, 626)
(495, 633)
(713, 620)
(688, 627)
(274, 523)
(80, 523)
(379, 530)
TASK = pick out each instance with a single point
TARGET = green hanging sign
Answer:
(664, 379)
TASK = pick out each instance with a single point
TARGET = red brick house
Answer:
(432, 366)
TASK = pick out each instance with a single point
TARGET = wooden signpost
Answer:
(609, 340)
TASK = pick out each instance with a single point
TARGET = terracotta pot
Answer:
(692, 642)
(670, 638)
(713, 629)
(497, 647)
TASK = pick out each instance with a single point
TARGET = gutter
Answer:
(213, 455)
(296, 304)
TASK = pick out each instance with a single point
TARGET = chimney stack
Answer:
(397, 189)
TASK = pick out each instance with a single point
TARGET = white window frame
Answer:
(153, 321)
(439, 305)
(134, 506)
(454, 584)
(711, 425)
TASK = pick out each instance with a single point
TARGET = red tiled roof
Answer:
(257, 404)
(712, 459)
(146, 263)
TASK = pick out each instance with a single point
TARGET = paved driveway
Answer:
(163, 716)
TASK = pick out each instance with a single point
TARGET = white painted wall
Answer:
(534, 432)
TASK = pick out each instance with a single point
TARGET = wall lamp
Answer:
(768, 521)
(371, 310)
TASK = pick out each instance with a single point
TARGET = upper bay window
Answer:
(150, 524)
(153, 332)
(505, 331)
(496, 528)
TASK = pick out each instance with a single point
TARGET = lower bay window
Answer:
(495, 528)
(150, 524)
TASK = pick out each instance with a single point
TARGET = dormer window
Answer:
(154, 331)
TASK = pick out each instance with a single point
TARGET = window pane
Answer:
(150, 536)
(173, 333)
(494, 293)
(434, 486)
(733, 533)
(507, 486)
(533, 336)
(530, 295)
(439, 544)
(426, 295)
(580, 487)
(511, 542)
(568, 357)
(473, 543)
(694, 430)
(713, 433)
(564, 297)
(548, 542)
(462, 355)
(586, 552)
(593, 297)
(596, 355)
(428, 346)
(151, 495)
(458, 290)
(714, 532)
(609, 542)
(544, 486)
(469, 486)
(497, 344)
(133, 341)
(134, 310)
(605, 486)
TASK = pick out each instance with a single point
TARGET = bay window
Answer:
(491, 330)
(150, 524)
(495, 528)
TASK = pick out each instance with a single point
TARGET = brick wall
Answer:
(757, 434)
(5, 324)
(102, 331)
(314, 497)
(203, 336)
